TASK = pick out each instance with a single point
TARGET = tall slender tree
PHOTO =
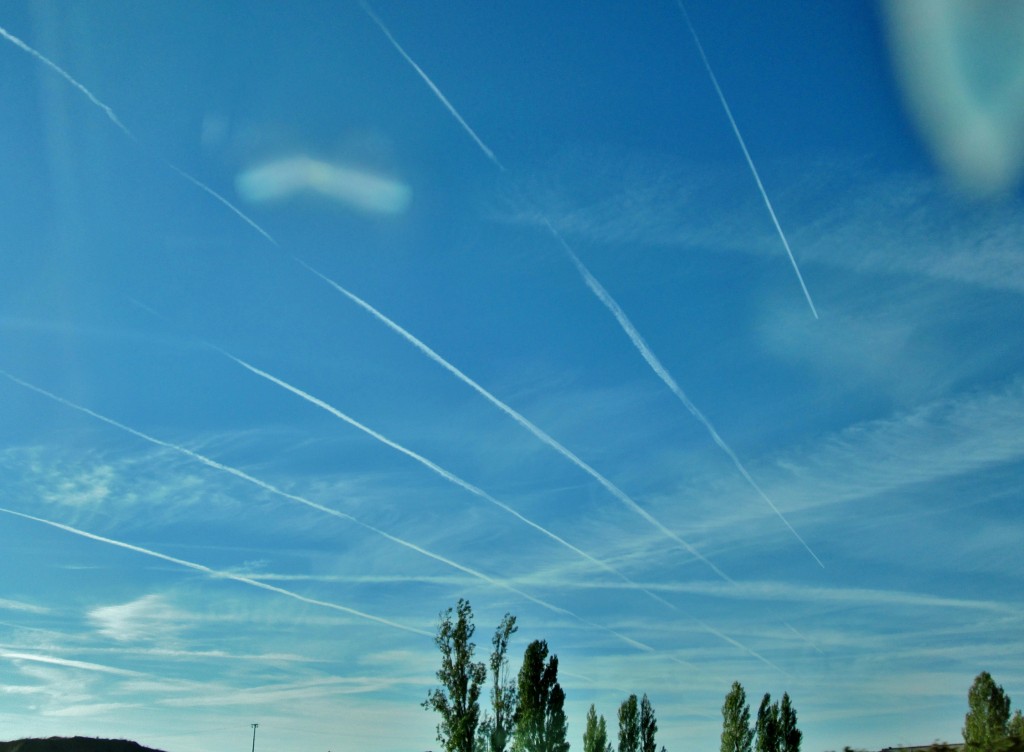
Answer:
(595, 736)
(985, 725)
(789, 734)
(629, 725)
(648, 726)
(457, 700)
(737, 736)
(540, 722)
(503, 688)
(768, 725)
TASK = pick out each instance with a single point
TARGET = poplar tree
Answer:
(457, 700)
(595, 736)
(985, 725)
(789, 735)
(737, 736)
(540, 722)
(629, 725)
(767, 725)
(648, 726)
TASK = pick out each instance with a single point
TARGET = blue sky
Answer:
(242, 474)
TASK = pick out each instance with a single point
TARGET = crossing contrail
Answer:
(518, 418)
(648, 355)
(746, 154)
(270, 488)
(117, 121)
(433, 87)
(220, 575)
(440, 471)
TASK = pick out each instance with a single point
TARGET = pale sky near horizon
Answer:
(316, 317)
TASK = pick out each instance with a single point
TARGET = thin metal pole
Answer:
(254, 725)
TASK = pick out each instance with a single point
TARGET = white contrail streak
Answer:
(204, 187)
(638, 341)
(327, 510)
(221, 575)
(746, 154)
(438, 470)
(517, 417)
(117, 121)
(433, 87)
(69, 78)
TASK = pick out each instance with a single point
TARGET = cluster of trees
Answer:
(988, 725)
(526, 711)
(774, 730)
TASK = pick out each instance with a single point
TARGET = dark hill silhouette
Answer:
(73, 744)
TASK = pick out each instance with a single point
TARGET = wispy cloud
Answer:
(149, 618)
(215, 574)
(68, 663)
(29, 608)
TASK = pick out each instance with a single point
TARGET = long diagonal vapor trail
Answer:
(648, 355)
(270, 488)
(518, 418)
(220, 575)
(746, 154)
(440, 471)
(117, 121)
(433, 87)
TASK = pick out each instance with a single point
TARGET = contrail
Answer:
(518, 418)
(638, 341)
(433, 87)
(69, 78)
(746, 154)
(221, 575)
(204, 187)
(117, 121)
(327, 510)
(438, 470)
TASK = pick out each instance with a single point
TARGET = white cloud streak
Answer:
(220, 575)
(116, 121)
(70, 79)
(746, 154)
(438, 470)
(648, 355)
(342, 515)
(433, 87)
(66, 662)
(539, 433)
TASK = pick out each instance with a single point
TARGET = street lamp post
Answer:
(254, 725)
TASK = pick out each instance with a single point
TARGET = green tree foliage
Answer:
(595, 736)
(497, 728)
(1015, 727)
(540, 722)
(737, 736)
(648, 726)
(629, 725)
(767, 725)
(985, 725)
(789, 735)
(457, 700)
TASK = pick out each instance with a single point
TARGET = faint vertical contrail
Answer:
(648, 355)
(433, 87)
(746, 154)
(219, 574)
(446, 474)
(116, 121)
(519, 418)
